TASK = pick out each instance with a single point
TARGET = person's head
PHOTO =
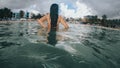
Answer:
(54, 15)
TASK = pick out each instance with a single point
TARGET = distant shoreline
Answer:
(99, 26)
(19, 21)
(10, 21)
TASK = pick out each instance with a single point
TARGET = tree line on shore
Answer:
(7, 14)
(114, 23)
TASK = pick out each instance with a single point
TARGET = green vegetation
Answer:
(104, 21)
(22, 13)
(36, 16)
(5, 14)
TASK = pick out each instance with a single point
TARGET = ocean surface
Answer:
(27, 45)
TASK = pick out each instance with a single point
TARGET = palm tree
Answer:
(95, 19)
(104, 18)
(21, 13)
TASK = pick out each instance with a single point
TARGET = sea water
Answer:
(27, 45)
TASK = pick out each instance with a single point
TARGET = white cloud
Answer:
(35, 12)
(65, 11)
(80, 10)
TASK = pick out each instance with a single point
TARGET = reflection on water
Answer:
(52, 37)
(27, 45)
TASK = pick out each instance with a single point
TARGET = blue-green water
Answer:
(26, 45)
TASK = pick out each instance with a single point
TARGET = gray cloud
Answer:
(40, 5)
(15, 4)
(108, 7)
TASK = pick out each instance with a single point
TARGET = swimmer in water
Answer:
(53, 19)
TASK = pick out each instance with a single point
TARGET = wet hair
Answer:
(54, 15)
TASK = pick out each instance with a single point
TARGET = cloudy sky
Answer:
(68, 8)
